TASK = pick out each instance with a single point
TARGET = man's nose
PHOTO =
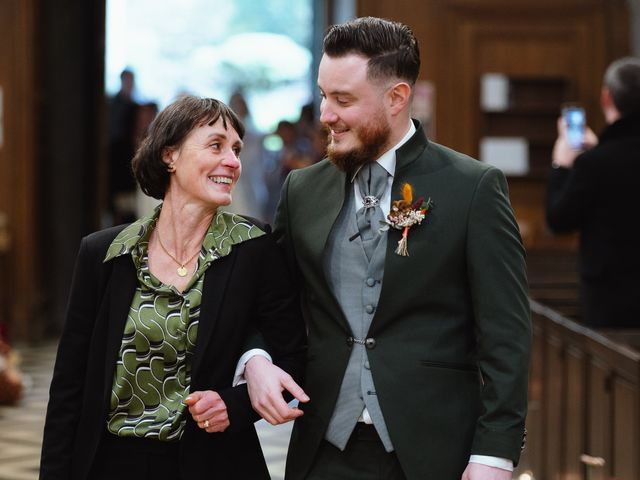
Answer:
(327, 115)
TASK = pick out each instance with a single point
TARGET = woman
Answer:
(161, 310)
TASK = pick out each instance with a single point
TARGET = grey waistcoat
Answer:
(356, 284)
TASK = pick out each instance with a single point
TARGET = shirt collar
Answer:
(226, 229)
(388, 159)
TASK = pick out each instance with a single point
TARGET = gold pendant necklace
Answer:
(182, 267)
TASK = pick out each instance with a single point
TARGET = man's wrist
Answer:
(238, 377)
(496, 462)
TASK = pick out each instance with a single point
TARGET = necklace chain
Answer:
(182, 269)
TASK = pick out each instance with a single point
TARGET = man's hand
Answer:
(477, 471)
(266, 382)
(563, 155)
(208, 411)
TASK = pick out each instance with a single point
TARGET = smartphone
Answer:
(575, 120)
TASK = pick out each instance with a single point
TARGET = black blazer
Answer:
(245, 292)
(597, 197)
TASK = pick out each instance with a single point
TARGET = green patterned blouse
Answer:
(153, 371)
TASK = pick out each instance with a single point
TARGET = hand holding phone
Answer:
(575, 121)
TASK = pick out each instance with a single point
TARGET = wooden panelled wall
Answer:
(561, 40)
(18, 273)
(51, 76)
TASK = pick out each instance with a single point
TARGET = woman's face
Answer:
(207, 165)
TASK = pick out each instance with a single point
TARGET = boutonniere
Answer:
(406, 213)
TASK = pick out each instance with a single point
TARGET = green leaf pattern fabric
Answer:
(153, 370)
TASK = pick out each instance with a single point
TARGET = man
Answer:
(593, 192)
(122, 118)
(417, 365)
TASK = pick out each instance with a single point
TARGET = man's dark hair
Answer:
(623, 81)
(169, 130)
(391, 47)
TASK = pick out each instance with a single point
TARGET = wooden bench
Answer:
(584, 398)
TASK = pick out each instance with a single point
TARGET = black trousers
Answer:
(364, 458)
(136, 459)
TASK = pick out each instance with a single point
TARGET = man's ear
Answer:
(606, 100)
(399, 96)
(609, 109)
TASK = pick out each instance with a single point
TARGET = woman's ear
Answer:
(399, 96)
(169, 157)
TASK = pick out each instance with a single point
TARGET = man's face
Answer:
(353, 110)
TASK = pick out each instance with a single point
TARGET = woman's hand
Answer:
(208, 411)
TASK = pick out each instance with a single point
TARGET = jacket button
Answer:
(370, 343)
(369, 309)
(350, 341)
(370, 282)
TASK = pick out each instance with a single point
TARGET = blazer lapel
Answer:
(121, 288)
(213, 292)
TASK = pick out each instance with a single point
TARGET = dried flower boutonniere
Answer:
(406, 213)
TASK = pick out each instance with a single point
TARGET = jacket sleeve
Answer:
(497, 278)
(570, 196)
(279, 329)
(67, 384)
(281, 229)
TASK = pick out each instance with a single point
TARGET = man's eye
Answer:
(215, 146)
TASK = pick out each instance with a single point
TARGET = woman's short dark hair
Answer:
(622, 78)
(391, 47)
(169, 130)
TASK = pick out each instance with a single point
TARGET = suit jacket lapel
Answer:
(331, 189)
(395, 266)
(213, 292)
(330, 195)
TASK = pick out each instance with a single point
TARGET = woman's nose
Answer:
(231, 160)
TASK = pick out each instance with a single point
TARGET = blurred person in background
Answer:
(122, 111)
(251, 195)
(160, 313)
(592, 190)
(296, 151)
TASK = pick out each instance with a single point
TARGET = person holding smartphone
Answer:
(592, 189)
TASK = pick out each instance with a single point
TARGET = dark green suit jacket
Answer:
(452, 326)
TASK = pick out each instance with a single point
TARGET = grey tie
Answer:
(372, 181)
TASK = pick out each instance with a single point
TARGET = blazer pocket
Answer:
(461, 367)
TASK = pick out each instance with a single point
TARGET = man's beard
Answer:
(373, 140)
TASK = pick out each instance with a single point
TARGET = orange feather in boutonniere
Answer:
(405, 214)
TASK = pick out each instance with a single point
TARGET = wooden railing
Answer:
(584, 398)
